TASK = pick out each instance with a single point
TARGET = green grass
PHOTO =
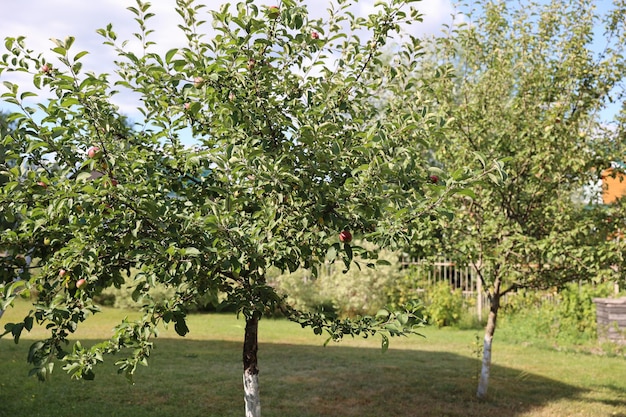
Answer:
(200, 375)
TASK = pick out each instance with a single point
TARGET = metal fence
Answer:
(463, 277)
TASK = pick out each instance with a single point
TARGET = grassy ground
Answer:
(200, 375)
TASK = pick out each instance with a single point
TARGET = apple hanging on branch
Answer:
(93, 152)
(345, 236)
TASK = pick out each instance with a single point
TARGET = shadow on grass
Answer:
(203, 378)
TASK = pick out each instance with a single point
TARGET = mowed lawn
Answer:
(200, 375)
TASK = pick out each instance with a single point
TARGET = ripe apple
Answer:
(345, 236)
(434, 179)
(187, 106)
(93, 152)
(315, 35)
(62, 272)
(273, 12)
(81, 283)
(46, 69)
(42, 184)
(198, 82)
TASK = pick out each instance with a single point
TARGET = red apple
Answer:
(345, 236)
(273, 12)
(42, 184)
(46, 69)
(187, 106)
(315, 35)
(62, 272)
(434, 179)
(81, 283)
(93, 152)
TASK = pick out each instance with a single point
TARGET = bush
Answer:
(122, 297)
(356, 292)
(407, 287)
(566, 316)
(303, 291)
(444, 306)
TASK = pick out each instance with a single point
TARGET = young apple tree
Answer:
(526, 83)
(294, 154)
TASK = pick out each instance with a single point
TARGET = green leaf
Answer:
(83, 176)
(191, 251)
(181, 326)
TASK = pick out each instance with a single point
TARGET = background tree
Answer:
(294, 154)
(522, 82)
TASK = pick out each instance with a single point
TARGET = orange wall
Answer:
(613, 187)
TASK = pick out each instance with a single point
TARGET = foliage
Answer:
(521, 81)
(444, 305)
(564, 317)
(5, 129)
(404, 288)
(293, 146)
(303, 292)
(122, 297)
(534, 102)
(357, 291)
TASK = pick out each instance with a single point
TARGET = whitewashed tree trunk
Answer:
(252, 396)
(485, 369)
(483, 382)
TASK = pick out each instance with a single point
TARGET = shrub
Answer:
(407, 287)
(566, 316)
(122, 297)
(358, 291)
(444, 306)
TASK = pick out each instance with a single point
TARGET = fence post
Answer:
(479, 296)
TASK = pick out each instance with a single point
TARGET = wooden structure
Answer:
(611, 319)
(613, 185)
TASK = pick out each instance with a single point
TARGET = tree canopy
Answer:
(295, 155)
(525, 83)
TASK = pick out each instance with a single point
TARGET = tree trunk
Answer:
(252, 398)
(483, 383)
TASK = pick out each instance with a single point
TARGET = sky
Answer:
(41, 20)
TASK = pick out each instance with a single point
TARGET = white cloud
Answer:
(41, 20)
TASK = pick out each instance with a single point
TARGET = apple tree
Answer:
(526, 83)
(294, 154)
